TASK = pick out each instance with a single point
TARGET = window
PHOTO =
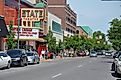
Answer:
(3, 54)
(37, 1)
(24, 23)
(56, 27)
(36, 24)
(28, 23)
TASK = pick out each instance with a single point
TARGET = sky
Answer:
(96, 13)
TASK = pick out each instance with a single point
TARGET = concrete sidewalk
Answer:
(58, 58)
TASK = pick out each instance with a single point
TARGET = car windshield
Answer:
(119, 53)
(3, 54)
(14, 53)
(119, 58)
(93, 52)
(30, 54)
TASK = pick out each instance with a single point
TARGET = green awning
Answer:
(40, 5)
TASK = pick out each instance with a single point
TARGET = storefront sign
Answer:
(32, 14)
(27, 33)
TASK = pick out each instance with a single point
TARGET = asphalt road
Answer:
(66, 69)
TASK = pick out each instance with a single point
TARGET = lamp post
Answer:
(18, 23)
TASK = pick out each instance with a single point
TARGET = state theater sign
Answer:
(32, 14)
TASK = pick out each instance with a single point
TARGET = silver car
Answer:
(93, 54)
(118, 65)
(33, 57)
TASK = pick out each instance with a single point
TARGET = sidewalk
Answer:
(58, 58)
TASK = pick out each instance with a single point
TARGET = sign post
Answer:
(18, 23)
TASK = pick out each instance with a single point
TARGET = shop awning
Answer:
(3, 28)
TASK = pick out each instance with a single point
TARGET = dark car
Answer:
(99, 52)
(18, 56)
(115, 54)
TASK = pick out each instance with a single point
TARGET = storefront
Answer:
(31, 32)
(33, 23)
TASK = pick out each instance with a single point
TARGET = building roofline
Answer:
(82, 29)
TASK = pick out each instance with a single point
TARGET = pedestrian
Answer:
(43, 53)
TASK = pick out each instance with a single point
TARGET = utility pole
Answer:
(18, 23)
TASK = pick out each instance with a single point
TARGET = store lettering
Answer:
(34, 13)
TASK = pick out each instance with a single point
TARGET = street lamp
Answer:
(18, 23)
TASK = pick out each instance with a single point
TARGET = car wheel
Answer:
(26, 63)
(9, 65)
(113, 67)
(21, 63)
(38, 62)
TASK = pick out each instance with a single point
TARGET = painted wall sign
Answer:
(32, 14)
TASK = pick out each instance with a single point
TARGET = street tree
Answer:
(51, 41)
(99, 40)
(10, 38)
(114, 33)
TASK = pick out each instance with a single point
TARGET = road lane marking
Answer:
(80, 66)
(57, 75)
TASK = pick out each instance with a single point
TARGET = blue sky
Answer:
(96, 13)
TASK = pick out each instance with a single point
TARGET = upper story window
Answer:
(37, 1)
(24, 23)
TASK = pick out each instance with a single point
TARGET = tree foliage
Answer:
(78, 43)
(100, 42)
(10, 42)
(114, 33)
(51, 41)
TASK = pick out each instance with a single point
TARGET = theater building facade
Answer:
(33, 23)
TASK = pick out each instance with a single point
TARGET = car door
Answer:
(24, 56)
(1, 62)
(5, 58)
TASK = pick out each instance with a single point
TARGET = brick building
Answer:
(61, 9)
(81, 32)
(32, 27)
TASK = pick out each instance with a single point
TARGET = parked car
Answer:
(18, 56)
(82, 53)
(5, 60)
(115, 54)
(93, 54)
(118, 66)
(99, 52)
(115, 60)
(108, 53)
(33, 57)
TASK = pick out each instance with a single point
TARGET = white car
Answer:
(5, 60)
(118, 65)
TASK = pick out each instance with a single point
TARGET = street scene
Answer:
(60, 40)
(65, 69)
